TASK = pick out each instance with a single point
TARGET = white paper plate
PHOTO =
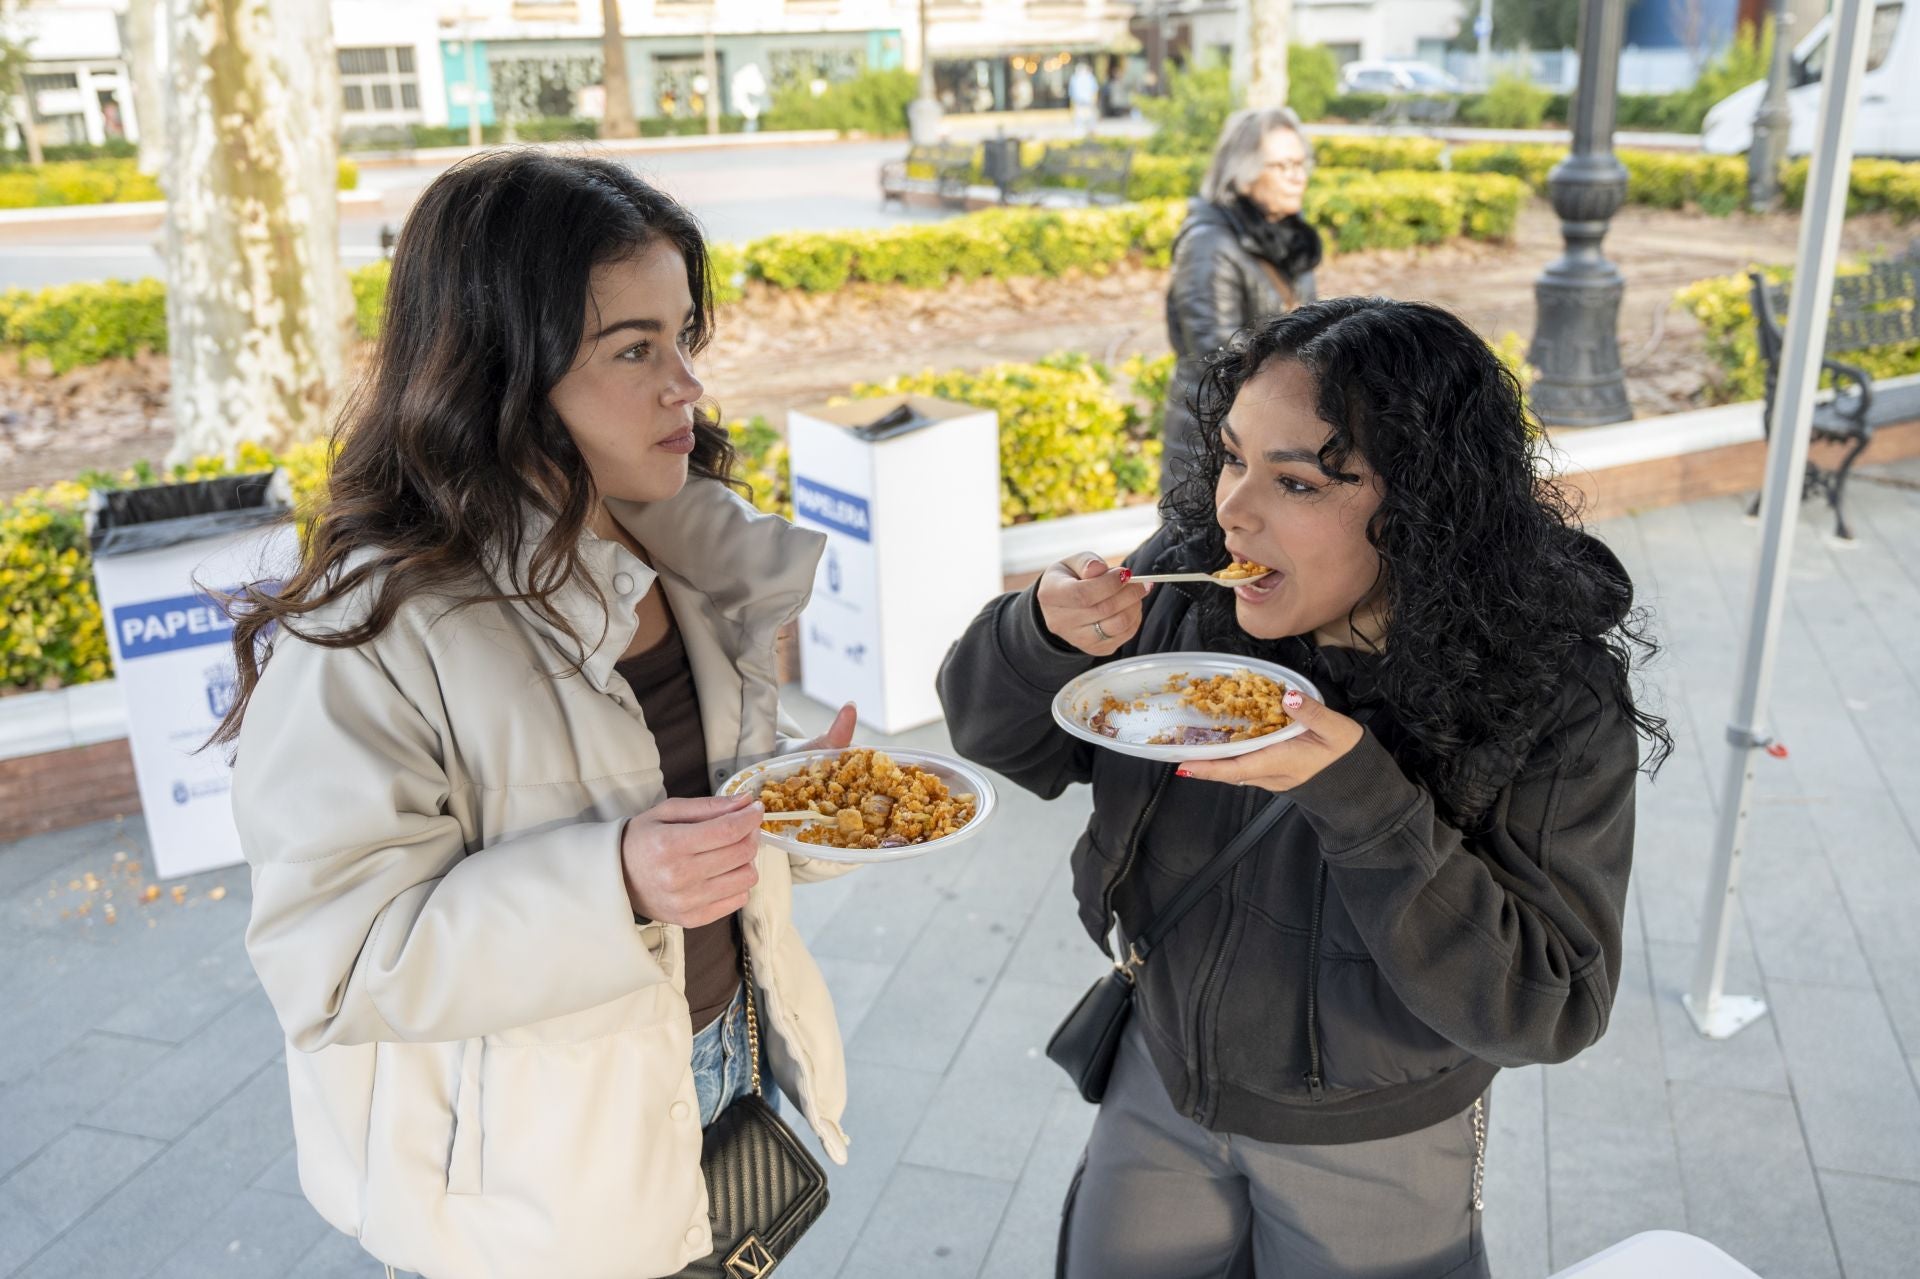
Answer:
(1146, 678)
(961, 778)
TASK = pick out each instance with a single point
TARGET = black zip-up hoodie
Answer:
(1365, 971)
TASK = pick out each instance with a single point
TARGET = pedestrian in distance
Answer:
(1243, 253)
(1083, 96)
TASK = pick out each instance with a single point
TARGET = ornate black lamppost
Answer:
(1577, 299)
(1772, 122)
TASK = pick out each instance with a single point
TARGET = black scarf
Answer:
(1289, 244)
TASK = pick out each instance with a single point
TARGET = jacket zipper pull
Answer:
(1313, 1085)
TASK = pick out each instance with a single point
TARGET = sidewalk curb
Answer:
(154, 211)
(399, 159)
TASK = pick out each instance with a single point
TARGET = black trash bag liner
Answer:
(126, 521)
(900, 420)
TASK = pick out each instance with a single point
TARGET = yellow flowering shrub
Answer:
(1399, 210)
(51, 633)
(763, 464)
(74, 324)
(1377, 154)
(1890, 186)
(369, 285)
(1723, 306)
(66, 182)
(1067, 442)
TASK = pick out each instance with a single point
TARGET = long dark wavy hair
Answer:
(450, 442)
(1494, 598)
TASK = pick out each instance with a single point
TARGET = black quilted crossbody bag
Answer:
(763, 1188)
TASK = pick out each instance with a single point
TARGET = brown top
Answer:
(662, 679)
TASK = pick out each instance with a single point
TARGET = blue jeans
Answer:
(721, 1071)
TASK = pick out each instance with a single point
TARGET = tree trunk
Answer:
(1264, 27)
(29, 133)
(712, 63)
(618, 122)
(148, 71)
(256, 301)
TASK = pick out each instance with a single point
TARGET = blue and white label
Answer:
(816, 503)
(165, 626)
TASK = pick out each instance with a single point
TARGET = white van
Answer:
(1888, 119)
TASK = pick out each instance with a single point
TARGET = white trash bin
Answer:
(155, 553)
(907, 490)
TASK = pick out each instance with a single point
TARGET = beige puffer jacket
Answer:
(489, 1060)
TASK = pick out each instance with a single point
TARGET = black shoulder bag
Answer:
(763, 1188)
(1086, 1042)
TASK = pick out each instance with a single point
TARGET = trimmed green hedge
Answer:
(1714, 184)
(75, 324)
(58, 184)
(1397, 210)
(78, 324)
(1874, 186)
(70, 325)
(1000, 243)
(115, 149)
(69, 182)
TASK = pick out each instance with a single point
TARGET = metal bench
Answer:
(944, 169)
(1878, 308)
(1079, 173)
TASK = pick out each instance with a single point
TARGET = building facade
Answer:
(1017, 55)
(79, 82)
(1355, 30)
(534, 59)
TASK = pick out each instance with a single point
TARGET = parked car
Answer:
(1396, 78)
(1887, 119)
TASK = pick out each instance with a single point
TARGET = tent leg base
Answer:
(1727, 1016)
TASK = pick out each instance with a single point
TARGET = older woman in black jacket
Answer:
(1243, 253)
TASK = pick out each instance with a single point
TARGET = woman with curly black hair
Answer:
(1302, 1084)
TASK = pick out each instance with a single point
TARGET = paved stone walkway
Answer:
(143, 1111)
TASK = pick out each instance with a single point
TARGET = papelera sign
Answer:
(167, 625)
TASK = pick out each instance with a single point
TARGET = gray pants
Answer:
(1160, 1197)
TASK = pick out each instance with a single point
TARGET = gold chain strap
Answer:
(753, 1020)
(1479, 1151)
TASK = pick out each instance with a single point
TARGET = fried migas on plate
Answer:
(875, 802)
(1242, 705)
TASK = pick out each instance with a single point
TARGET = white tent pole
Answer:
(1715, 1015)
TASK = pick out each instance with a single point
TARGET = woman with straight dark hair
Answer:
(1243, 253)
(1303, 1079)
(497, 907)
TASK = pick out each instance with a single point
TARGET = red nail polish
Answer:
(1181, 772)
(1126, 575)
(1293, 701)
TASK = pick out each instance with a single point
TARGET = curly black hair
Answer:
(1494, 596)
